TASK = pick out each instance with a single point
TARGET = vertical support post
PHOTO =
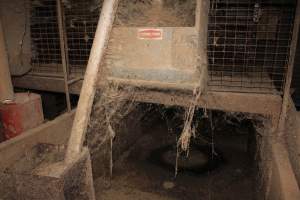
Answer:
(88, 90)
(64, 59)
(6, 88)
(199, 14)
(289, 76)
(201, 25)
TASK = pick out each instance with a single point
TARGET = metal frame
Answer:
(289, 75)
(63, 51)
(80, 27)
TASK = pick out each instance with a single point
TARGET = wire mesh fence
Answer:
(248, 41)
(248, 44)
(80, 22)
(46, 54)
(81, 17)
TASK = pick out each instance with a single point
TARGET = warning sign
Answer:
(150, 34)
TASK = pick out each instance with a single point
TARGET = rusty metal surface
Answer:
(170, 59)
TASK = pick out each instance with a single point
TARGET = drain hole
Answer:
(200, 159)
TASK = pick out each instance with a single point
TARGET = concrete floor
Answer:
(135, 177)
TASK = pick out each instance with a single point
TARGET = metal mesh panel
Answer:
(80, 23)
(46, 56)
(81, 17)
(249, 44)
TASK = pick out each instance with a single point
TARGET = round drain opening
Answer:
(200, 160)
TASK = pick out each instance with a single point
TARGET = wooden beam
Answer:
(265, 104)
(87, 94)
(50, 84)
(226, 101)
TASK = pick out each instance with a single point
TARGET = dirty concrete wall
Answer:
(53, 132)
(263, 160)
(276, 178)
(283, 184)
(293, 139)
(15, 17)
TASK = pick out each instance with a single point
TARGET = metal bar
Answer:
(45, 74)
(50, 84)
(6, 88)
(150, 84)
(63, 51)
(71, 77)
(70, 81)
(289, 75)
(74, 80)
(63, 16)
(88, 90)
(202, 9)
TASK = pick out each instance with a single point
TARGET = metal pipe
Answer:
(289, 75)
(74, 80)
(6, 87)
(88, 90)
(64, 58)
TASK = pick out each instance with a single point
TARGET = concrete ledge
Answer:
(53, 132)
(283, 184)
(48, 181)
(57, 180)
(51, 84)
(292, 135)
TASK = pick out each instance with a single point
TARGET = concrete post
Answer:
(6, 88)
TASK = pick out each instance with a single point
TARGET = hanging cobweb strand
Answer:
(116, 100)
(188, 132)
(112, 135)
(116, 108)
(113, 106)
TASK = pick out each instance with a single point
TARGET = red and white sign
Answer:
(150, 34)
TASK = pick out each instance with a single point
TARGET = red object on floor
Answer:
(24, 113)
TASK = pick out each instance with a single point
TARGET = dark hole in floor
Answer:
(220, 164)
